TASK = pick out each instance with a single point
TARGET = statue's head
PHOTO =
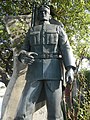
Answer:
(44, 13)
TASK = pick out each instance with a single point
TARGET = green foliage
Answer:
(83, 98)
(18, 28)
(76, 22)
(5, 49)
(15, 7)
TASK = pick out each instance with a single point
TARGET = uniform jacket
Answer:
(51, 44)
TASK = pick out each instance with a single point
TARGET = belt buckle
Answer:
(46, 55)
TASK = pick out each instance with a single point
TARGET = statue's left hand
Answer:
(69, 76)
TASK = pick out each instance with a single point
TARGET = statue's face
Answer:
(44, 14)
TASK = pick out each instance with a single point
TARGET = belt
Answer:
(47, 56)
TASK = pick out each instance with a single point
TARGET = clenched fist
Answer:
(69, 76)
(26, 57)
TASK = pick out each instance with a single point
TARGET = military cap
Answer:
(43, 7)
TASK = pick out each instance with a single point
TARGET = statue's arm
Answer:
(67, 55)
(25, 55)
(25, 48)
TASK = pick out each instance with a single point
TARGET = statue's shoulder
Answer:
(37, 28)
(54, 28)
(56, 22)
(51, 27)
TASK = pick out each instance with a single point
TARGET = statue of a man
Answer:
(45, 49)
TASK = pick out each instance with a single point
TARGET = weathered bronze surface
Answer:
(46, 49)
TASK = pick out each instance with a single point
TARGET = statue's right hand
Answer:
(27, 60)
(26, 57)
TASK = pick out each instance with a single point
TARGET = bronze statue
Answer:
(45, 50)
